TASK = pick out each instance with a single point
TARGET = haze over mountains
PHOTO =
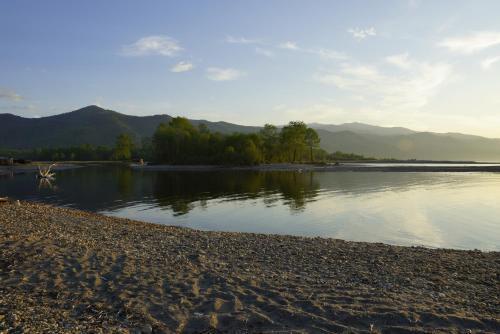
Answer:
(97, 126)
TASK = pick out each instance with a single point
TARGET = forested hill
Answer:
(90, 125)
(97, 126)
(418, 145)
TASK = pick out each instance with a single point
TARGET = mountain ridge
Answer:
(98, 126)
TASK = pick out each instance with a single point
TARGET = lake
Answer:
(452, 210)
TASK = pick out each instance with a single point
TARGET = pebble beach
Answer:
(69, 271)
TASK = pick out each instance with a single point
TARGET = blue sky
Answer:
(427, 65)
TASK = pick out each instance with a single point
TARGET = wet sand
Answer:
(69, 271)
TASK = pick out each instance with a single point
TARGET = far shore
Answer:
(341, 167)
(69, 271)
(33, 167)
(362, 166)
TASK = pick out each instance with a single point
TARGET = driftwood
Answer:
(45, 183)
(44, 173)
(4, 199)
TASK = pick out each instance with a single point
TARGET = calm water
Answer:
(453, 210)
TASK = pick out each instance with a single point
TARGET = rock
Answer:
(147, 329)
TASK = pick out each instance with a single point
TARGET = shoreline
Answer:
(68, 271)
(283, 167)
(33, 168)
(345, 167)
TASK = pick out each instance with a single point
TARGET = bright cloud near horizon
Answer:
(182, 66)
(425, 65)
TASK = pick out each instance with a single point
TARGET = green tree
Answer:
(270, 142)
(182, 123)
(123, 147)
(146, 149)
(179, 142)
(293, 138)
(312, 140)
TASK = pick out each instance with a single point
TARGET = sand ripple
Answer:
(68, 271)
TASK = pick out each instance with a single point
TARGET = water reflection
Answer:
(46, 183)
(458, 210)
(102, 188)
(110, 187)
(180, 191)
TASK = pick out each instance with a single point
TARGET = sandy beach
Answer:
(69, 271)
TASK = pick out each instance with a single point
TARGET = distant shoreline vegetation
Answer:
(179, 142)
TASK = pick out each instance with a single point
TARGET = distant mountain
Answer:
(363, 128)
(89, 125)
(417, 145)
(97, 126)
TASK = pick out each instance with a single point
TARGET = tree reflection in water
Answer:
(182, 191)
(109, 188)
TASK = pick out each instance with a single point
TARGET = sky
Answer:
(425, 65)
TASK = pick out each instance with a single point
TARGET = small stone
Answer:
(147, 329)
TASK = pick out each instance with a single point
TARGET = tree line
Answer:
(179, 142)
(124, 149)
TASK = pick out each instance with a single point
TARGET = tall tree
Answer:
(293, 138)
(123, 147)
(270, 142)
(312, 140)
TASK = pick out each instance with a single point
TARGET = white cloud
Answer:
(241, 40)
(289, 45)
(153, 45)
(264, 52)
(488, 62)
(400, 60)
(224, 74)
(182, 66)
(472, 43)
(321, 52)
(327, 54)
(9, 95)
(411, 89)
(360, 34)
